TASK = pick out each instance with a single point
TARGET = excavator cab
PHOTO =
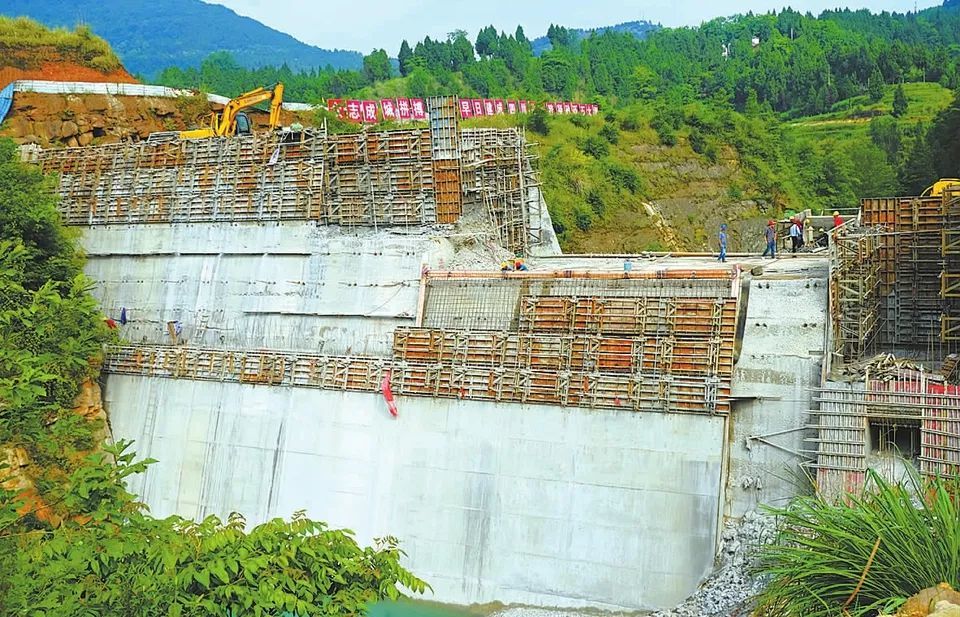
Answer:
(243, 124)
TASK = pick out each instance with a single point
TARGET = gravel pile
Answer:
(727, 592)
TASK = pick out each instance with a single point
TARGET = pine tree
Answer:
(404, 57)
(900, 103)
(875, 86)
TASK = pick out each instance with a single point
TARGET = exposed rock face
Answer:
(51, 120)
(16, 468)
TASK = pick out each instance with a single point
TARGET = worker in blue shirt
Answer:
(722, 258)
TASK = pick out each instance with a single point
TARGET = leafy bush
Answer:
(111, 558)
(624, 177)
(595, 201)
(610, 133)
(579, 121)
(595, 147)
(537, 121)
(823, 549)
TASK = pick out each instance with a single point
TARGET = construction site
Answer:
(317, 321)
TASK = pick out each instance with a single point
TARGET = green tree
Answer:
(404, 57)
(538, 121)
(875, 86)
(376, 66)
(900, 103)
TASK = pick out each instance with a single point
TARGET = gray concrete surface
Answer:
(522, 504)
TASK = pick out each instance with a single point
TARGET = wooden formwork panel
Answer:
(669, 356)
(638, 392)
(446, 174)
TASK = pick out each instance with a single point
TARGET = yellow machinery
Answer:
(231, 121)
(942, 185)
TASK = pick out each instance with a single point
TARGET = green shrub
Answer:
(579, 121)
(595, 201)
(537, 121)
(610, 133)
(595, 147)
(823, 549)
(624, 177)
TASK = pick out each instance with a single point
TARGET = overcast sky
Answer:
(363, 25)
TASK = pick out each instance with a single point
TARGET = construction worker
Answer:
(796, 235)
(518, 264)
(837, 219)
(770, 234)
(722, 237)
(505, 266)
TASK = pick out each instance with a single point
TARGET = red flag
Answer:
(511, 107)
(417, 109)
(403, 109)
(477, 107)
(488, 107)
(498, 107)
(388, 394)
(523, 107)
(466, 108)
(354, 111)
(389, 107)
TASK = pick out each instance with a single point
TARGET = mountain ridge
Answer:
(182, 34)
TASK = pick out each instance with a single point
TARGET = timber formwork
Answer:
(894, 279)
(626, 347)
(661, 341)
(499, 176)
(909, 400)
(216, 179)
(382, 178)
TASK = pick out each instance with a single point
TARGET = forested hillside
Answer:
(736, 120)
(150, 36)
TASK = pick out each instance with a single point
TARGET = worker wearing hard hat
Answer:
(837, 219)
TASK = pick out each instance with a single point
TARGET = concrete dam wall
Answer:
(568, 435)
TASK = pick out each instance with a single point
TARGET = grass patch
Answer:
(822, 550)
(79, 44)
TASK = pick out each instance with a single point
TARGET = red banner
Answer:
(389, 108)
(498, 106)
(354, 111)
(523, 107)
(511, 107)
(477, 105)
(466, 108)
(403, 109)
(417, 109)
(551, 108)
(566, 108)
(337, 107)
(488, 107)
(370, 112)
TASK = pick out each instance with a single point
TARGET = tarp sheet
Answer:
(6, 101)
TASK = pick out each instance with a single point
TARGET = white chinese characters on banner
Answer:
(417, 109)
(389, 108)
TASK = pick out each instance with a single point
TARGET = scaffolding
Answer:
(499, 176)
(217, 179)
(893, 279)
(908, 400)
(640, 343)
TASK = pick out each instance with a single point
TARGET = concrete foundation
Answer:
(493, 502)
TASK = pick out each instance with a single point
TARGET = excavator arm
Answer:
(225, 123)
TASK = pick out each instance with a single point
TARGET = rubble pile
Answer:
(728, 591)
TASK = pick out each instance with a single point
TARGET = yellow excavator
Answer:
(941, 186)
(231, 121)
